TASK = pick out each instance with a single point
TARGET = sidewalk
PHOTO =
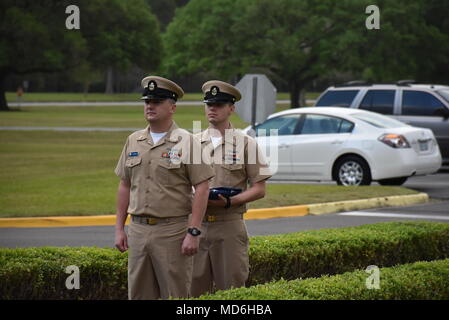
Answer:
(252, 214)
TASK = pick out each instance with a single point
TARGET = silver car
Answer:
(420, 105)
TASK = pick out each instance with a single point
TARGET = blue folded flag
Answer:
(225, 192)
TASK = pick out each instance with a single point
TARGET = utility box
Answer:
(258, 98)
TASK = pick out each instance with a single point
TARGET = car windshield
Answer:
(377, 120)
(444, 93)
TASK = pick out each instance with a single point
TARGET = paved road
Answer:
(437, 210)
(435, 185)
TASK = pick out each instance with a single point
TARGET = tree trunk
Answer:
(109, 80)
(297, 94)
(3, 103)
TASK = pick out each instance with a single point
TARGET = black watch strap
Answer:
(194, 231)
(228, 203)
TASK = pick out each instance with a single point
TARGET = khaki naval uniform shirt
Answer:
(242, 162)
(161, 177)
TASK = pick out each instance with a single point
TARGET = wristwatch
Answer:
(194, 231)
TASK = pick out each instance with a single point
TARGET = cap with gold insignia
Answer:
(220, 92)
(158, 88)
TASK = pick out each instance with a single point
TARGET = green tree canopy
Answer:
(33, 38)
(113, 34)
(297, 41)
(412, 43)
(120, 34)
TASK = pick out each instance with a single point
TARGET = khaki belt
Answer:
(223, 217)
(153, 220)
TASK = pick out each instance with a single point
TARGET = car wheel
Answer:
(393, 181)
(352, 171)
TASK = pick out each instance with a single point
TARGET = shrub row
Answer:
(332, 251)
(420, 280)
(39, 273)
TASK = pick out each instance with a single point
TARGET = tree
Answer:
(199, 39)
(33, 38)
(297, 41)
(164, 11)
(113, 35)
(120, 34)
(412, 43)
(290, 40)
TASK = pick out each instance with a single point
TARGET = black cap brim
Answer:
(221, 101)
(156, 98)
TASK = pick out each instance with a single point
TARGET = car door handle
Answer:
(337, 142)
(284, 146)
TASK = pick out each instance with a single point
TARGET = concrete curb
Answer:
(391, 201)
(252, 214)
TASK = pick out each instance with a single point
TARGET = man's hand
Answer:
(221, 202)
(121, 240)
(190, 245)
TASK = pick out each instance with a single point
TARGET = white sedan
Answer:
(349, 146)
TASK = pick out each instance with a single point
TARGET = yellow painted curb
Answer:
(55, 222)
(279, 212)
(340, 206)
(252, 214)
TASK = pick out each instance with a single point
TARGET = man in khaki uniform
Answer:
(156, 179)
(223, 255)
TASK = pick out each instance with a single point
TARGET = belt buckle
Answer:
(152, 221)
(211, 218)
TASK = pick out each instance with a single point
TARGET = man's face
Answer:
(159, 110)
(217, 112)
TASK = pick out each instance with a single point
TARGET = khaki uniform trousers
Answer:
(222, 258)
(156, 266)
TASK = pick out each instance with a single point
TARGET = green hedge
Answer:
(420, 280)
(332, 251)
(38, 273)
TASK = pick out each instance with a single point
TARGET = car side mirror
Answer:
(442, 112)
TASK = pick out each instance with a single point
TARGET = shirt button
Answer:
(148, 191)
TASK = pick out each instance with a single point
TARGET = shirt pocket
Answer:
(133, 166)
(132, 162)
(167, 173)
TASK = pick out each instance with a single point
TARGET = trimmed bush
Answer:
(420, 280)
(332, 251)
(39, 273)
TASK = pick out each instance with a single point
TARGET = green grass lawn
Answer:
(279, 195)
(97, 116)
(102, 97)
(72, 173)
